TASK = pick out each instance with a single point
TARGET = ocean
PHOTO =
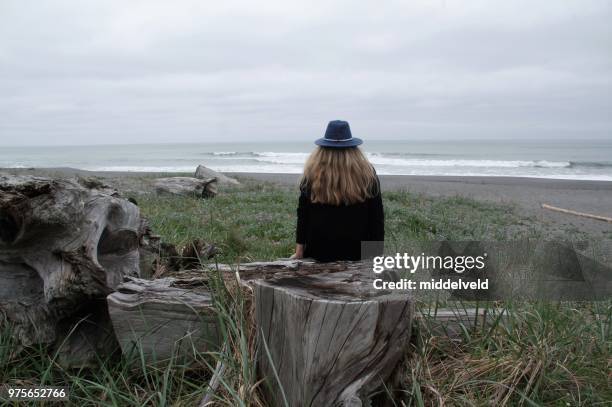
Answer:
(582, 159)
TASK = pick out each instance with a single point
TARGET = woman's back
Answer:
(340, 205)
(335, 232)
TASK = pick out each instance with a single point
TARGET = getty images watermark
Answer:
(491, 270)
(412, 264)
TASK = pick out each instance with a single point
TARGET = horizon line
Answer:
(301, 141)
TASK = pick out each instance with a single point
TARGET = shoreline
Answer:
(526, 194)
(392, 182)
(283, 178)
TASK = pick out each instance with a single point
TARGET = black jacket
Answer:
(332, 233)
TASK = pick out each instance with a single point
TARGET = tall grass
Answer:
(124, 381)
(239, 383)
(133, 379)
(527, 354)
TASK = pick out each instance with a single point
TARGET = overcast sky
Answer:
(90, 72)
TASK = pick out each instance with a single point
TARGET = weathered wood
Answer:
(186, 186)
(176, 310)
(451, 322)
(151, 250)
(64, 246)
(165, 317)
(213, 384)
(158, 259)
(206, 173)
(576, 213)
(248, 272)
(328, 338)
(331, 336)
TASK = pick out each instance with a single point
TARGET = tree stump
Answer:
(165, 317)
(64, 246)
(329, 338)
(187, 186)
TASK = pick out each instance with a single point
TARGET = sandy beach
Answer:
(527, 194)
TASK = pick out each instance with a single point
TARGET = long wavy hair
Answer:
(339, 176)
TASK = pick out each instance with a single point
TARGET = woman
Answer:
(340, 204)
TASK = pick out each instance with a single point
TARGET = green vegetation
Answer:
(533, 354)
(252, 223)
(257, 222)
(553, 354)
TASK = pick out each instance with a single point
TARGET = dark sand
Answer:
(527, 194)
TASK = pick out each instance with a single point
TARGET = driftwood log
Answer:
(164, 317)
(576, 213)
(187, 186)
(64, 246)
(206, 173)
(174, 315)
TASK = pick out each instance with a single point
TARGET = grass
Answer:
(554, 354)
(532, 354)
(258, 222)
(126, 381)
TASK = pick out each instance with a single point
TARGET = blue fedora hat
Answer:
(338, 134)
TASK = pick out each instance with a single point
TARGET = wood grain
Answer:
(64, 246)
(163, 317)
(328, 338)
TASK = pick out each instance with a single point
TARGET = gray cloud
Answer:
(157, 71)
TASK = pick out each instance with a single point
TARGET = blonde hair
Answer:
(339, 176)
